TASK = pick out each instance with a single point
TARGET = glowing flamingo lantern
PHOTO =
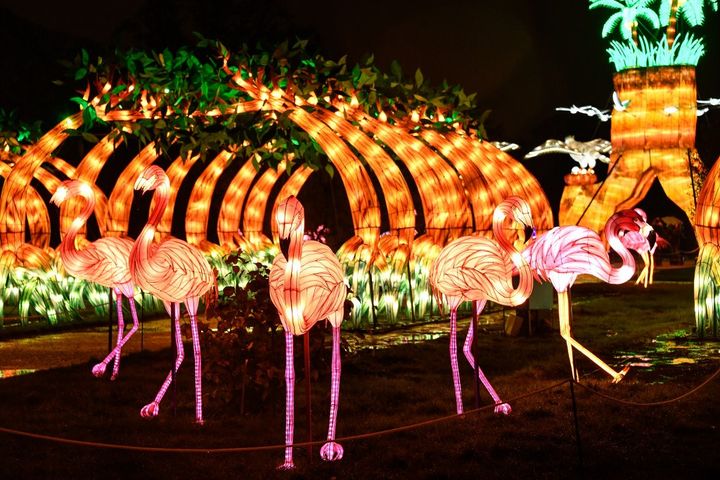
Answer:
(175, 272)
(104, 262)
(637, 234)
(563, 253)
(481, 269)
(306, 285)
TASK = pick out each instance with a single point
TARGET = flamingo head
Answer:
(633, 220)
(71, 188)
(153, 177)
(518, 210)
(647, 231)
(290, 217)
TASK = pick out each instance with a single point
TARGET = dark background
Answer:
(522, 57)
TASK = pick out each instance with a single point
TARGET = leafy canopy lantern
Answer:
(655, 52)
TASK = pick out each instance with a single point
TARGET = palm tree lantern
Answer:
(655, 109)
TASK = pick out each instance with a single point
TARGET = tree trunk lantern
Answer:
(655, 113)
(661, 109)
(653, 136)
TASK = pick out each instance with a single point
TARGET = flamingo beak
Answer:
(530, 233)
(652, 239)
(59, 196)
(143, 184)
(285, 246)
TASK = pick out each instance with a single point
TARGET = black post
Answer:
(372, 297)
(577, 426)
(410, 289)
(142, 321)
(308, 393)
(110, 319)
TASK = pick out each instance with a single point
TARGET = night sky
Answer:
(522, 57)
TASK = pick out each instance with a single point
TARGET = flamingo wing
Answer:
(473, 268)
(179, 272)
(104, 261)
(321, 282)
(567, 251)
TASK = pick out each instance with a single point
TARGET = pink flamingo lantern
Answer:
(175, 272)
(644, 242)
(563, 253)
(104, 262)
(481, 269)
(306, 285)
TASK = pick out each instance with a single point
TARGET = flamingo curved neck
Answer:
(500, 236)
(624, 272)
(145, 239)
(291, 285)
(522, 292)
(68, 243)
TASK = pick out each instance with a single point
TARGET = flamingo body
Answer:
(104, 261)
(174, 271)
(565, 252)
(479, 269)
(322, 285)
(306, 286)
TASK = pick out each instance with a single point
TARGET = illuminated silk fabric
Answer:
(707, 269)
(175, 272)
(479, 269)
(13, 205)
(638, 235)
(563, 253)
(104, 261)
(652, 138)
(306, 287)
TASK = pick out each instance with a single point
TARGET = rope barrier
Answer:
(652, 404)
(261, 448)
(361, 436)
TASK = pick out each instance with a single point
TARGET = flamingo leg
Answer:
(192, 306)
(153, 408)
(500, 406)
(331, 450)
(652, 267)
(454, 360)
(99, 369)
(571, 342)
(289, 401)
(643, 276)
(564, 319)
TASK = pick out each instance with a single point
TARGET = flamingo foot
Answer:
(99, 370)
(621, 375)
(287, 466)
(331, 451)
(150, 410)
(502, 409)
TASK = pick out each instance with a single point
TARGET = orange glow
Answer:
(120, 201)
(255, 208)
(233, 205)
(653, 138)
(88, 171)
(290, 189)
(13, 206)
(198, 210)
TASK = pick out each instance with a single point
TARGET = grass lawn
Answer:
(399, 386)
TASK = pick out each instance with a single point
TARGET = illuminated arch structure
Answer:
(460, 180)
(653, 137)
